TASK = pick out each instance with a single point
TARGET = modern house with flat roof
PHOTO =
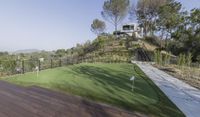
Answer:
(130, 29)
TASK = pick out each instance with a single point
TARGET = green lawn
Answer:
(108, 83)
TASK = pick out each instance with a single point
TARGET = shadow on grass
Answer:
(96, 111)
(167, 107)
(119, 80)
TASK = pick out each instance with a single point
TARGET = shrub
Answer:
(198, 58)
(166, 58)
(153, 40)
(181, 60)
(121, 43)
(158, 57)
(189, 59)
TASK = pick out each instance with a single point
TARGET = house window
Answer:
(126, 27)
(132, 27)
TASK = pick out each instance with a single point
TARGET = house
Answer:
(130, 29)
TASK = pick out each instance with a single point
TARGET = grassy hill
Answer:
(108, 83)
(111, 49)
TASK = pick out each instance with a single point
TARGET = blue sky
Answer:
(51, 24)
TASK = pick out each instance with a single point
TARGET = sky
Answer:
(51, 24)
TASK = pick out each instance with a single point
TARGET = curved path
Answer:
(16, 101)
(184, 96)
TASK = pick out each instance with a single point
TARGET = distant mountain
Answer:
(26, 51)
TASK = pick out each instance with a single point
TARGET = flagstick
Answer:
(133, 80)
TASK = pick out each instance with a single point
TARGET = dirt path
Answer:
(184, 96)
(16, 101)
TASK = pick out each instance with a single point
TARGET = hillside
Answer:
(111, 49)
(105, 49)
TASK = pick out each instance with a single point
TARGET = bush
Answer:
(158, 57)
(198, 58)
(182, 60)
(153, 40)
(121, 43)
(189, 59)
(166, 58)
(9, 66)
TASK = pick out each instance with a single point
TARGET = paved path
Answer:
(18, 101)
(184, 96)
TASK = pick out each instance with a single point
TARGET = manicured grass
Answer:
(108, 83)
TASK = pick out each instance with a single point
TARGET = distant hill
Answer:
(26, 51)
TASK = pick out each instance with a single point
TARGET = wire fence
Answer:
(11, 67)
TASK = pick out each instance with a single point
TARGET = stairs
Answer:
(142, 55)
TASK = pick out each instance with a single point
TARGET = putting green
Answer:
(108, 83)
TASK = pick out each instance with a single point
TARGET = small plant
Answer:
(155, 56)
(198, 58)
(165, 59)
(136, 45)
(158, 57)
(189, 59)
(182, 60)
(153, 41)
(121, 43)
(9, 66)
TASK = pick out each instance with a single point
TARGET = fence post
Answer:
(23, 67)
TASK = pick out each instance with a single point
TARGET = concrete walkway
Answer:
(184, 96)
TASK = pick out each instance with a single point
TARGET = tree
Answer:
(186, 37)
(147, 12)
(79, 49)
(170, 17)
(98, 27)
(60, 52)
(4, 53)
(114, 11)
